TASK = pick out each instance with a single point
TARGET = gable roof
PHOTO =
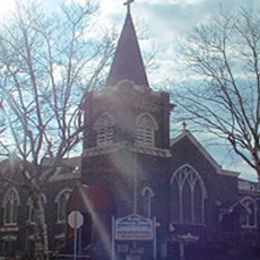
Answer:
(187, 134)
(128, 63)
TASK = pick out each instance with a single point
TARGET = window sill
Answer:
(10, 224)
(249, 226)
(61, 222)
(30, 223)
(190, 224)
(9, 228)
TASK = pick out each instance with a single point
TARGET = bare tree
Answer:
(47, 63)
(223, 97)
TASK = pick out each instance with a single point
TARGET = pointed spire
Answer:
(128, 63)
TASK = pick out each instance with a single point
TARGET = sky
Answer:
(167, 21)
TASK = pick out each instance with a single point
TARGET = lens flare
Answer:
(99, 226)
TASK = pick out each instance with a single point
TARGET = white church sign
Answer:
(134, 227)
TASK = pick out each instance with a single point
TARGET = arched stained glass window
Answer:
(31, 210)
(104, 127)
(11, 203)
(147, 194)
(188, 195)
(248, 214)
(62, 201)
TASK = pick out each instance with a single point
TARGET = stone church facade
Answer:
(131, 173)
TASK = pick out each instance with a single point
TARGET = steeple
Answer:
(128, 63)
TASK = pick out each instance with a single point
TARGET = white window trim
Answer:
(242, 202)
(192, 182)
(5, 201)
(108, 135)
(149, 194)
(145, 136)
(30, 208)
(57, 201)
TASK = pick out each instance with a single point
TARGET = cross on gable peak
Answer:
(184, 126)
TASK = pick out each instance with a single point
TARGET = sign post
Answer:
(113, 253)
(154, 238)
(75, 221)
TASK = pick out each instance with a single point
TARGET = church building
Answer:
(141, 194)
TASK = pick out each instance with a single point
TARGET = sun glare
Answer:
(5, 7)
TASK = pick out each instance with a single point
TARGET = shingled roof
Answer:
(128, 63)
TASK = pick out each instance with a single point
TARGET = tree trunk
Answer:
(41, 232)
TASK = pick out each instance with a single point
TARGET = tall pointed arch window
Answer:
(146, 126)
(188, 194)
(62, 204)
(248, 214)
(105, 132)
(11, 203)
(31, 209)
(147, 195)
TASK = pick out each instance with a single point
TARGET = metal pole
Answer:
(75, 238)
(80, 241)
(182, 250)
(75, 245)
(135, 184)
(113, 239)
(154, 238)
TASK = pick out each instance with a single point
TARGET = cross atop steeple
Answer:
(128, 4)
(128, 63)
